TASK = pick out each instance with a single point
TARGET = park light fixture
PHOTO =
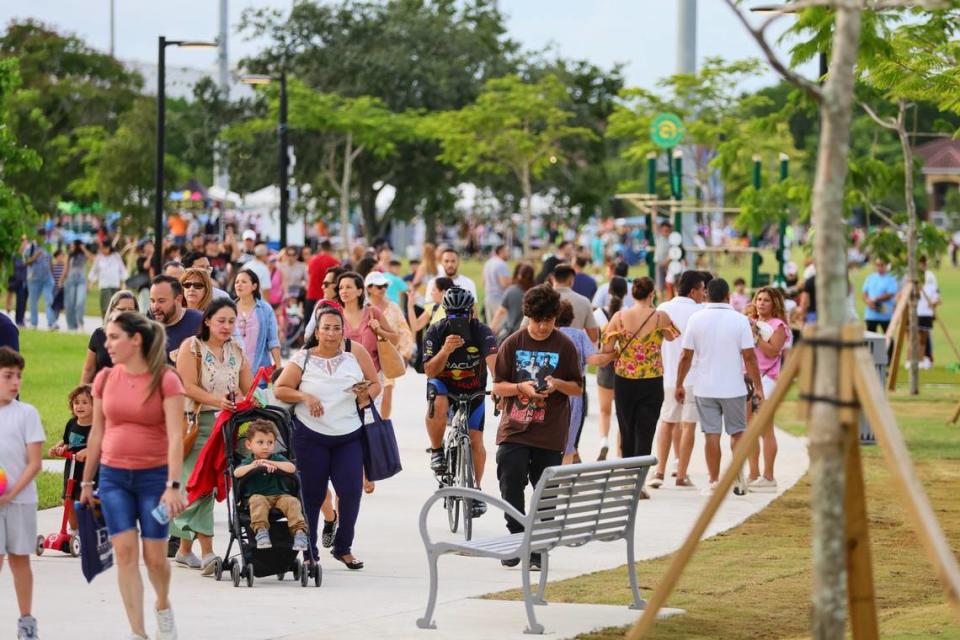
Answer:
(162, 44)
(259, 79)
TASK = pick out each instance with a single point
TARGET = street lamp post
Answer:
(283, 157)
(162, 44)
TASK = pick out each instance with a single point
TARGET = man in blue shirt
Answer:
(879, 296)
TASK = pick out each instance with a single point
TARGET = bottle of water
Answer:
(160, 514)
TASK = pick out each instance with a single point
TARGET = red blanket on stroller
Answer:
(208, 473)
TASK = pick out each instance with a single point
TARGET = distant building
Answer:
(941, 174)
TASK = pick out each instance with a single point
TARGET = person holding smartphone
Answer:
(457, 352)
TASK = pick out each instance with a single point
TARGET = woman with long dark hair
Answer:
(256, 323)
(635, 336)
(97, 356)
(215, 373)
(137, 443)
(326, 380)
(361, 322)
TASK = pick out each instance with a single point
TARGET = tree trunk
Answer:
(527, 209)
(345, 195)
(914, 330)
(430, 221)
(827, 456)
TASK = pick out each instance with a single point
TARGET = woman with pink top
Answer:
(137, 442)
(772, 335)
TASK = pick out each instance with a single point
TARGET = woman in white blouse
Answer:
(108, 273)
(326, 381)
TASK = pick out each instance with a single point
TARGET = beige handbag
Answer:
(391, 362)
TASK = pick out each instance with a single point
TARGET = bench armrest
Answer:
(471, 494)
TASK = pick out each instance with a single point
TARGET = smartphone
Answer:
(356, 387)
(460, 326)
(542, 387)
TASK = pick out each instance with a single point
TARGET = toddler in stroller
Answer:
(265, 490)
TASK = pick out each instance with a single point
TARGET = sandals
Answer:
(353, 565)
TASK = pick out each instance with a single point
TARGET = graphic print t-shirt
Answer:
(466, 368)
(539, 423)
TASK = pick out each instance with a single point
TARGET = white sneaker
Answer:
(708, 491)
(925, 363)
(190, 560)
(762, 485)
(166, 629)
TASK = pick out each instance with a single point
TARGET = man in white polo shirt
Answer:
(721, 339)
(673, 414)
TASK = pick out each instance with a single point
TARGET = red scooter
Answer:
(63, 541)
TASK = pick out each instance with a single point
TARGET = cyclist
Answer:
(457, 353)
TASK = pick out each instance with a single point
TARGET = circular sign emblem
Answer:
(666, 130)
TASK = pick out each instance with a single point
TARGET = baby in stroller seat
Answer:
(265, 489)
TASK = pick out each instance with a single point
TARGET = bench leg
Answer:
(542, 586)
(426, 622)
(638, 602)
(534, 626)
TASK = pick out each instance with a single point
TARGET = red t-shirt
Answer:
(316, 271)
(135, 433)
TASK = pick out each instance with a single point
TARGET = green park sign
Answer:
(666, 130)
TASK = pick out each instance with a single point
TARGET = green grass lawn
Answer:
(50, 489)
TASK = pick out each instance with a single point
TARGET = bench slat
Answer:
(594, 497)
(560, 512)
(580, 487)
(590, 529)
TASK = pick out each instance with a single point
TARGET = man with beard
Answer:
(450, 263)
(167, 307)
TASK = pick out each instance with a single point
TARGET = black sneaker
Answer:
(512, 562)
(329, 531)
(478, 508)
(534, 562)
(438, 462)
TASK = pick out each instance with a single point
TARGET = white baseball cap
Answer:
(249, 234)
(375, 278)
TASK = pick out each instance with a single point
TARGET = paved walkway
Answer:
(385, 599)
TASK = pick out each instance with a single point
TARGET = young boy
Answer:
(21, 436)
(75, 435)
(266, 490)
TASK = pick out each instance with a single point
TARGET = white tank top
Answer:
(329, 380)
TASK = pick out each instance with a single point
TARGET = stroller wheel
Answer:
(317, 575)
(280, 576)
(235, 573)
(249, 573)
(297, 568)
(75, 546)
(218, 569)
(305, 576)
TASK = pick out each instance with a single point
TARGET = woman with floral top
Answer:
(215, 373)
(635, 336)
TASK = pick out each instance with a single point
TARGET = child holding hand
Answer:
(266, 490)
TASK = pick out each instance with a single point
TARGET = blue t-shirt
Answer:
(875, 286)
(177, 333)
(39, 270)
(585, 348)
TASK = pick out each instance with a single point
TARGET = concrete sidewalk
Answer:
(385, 599)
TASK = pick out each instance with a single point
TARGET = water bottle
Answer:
(160, 514)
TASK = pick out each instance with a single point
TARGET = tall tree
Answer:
(67, 85)
(413, 55)
(16, 212)
(514, 126)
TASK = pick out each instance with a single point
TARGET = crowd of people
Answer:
(671, 352)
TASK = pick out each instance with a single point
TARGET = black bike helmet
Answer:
(457, 300)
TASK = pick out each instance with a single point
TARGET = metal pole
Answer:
(686, 36)
(158, 193)
(221, 177)
(284, 159)
(781, 245)
(112, 30)
(651, 219)
(755, 238)
(676, 185)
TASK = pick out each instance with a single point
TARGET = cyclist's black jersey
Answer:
(466, 368)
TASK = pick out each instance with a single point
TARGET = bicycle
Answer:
(458, 454)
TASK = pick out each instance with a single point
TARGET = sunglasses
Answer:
(194, 285)
(329, 283)
(378, 286)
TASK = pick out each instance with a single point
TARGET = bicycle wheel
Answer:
(467, 481)
(452, 503)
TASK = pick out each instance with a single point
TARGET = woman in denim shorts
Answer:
(137, 441)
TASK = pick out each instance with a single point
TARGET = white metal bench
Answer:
(571, 506)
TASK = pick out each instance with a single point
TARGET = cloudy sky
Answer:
(642, 34)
